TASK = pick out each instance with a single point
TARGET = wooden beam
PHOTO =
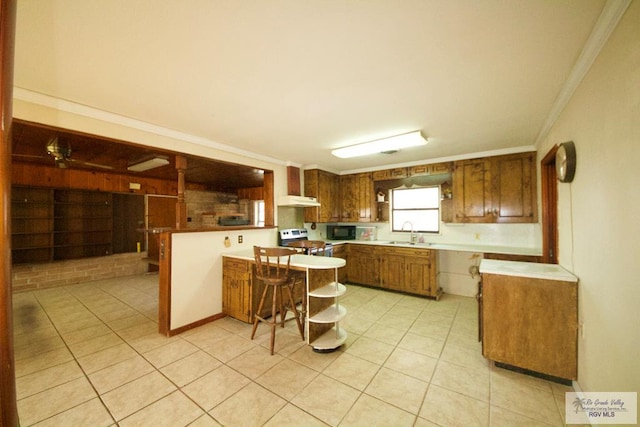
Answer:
(181, 204)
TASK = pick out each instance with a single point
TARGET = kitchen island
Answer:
(529, 317)
(322, 291)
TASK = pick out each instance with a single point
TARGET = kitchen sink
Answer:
(403, 243)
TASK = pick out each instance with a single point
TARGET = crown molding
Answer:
(490, 153)
(82, 110)
(611, 14)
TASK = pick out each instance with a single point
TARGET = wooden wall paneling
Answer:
(253, 193)
(53, 177)
(8, 405)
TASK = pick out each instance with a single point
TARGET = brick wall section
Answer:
(26, 277)
(206, 207)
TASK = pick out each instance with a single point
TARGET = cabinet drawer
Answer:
(385, 174)
(237, 267)
(419, 252)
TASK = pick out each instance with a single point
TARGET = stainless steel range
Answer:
(289, 235)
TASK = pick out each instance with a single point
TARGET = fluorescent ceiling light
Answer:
(393, 143)
(155, 162)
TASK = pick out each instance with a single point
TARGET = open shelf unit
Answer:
(324, 310)
(53, 224)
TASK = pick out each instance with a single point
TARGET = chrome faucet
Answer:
(412, 237)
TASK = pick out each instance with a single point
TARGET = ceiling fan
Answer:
(61, 153)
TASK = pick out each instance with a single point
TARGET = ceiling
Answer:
(292, 79)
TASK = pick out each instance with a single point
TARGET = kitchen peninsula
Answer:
(241, 293)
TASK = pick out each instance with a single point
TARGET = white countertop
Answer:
(526, 269)
(493, 249)
(301, 261)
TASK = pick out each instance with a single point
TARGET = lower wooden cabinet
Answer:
(237, 289)
(530, 323)
(392, 271)
(241, 291)
(363, 266)
(411, 270)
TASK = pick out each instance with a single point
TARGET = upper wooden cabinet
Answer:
(420, 170)
(356, 197)
(385, 174)
(499, 189)
(365, 197)
(325, 187)
(432, 169)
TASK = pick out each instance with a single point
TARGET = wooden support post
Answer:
(181, 205)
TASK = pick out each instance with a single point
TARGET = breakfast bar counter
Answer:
(321, 291)
(298, 261)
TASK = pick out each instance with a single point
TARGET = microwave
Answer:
(341, 232)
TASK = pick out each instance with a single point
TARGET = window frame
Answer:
(438, 210)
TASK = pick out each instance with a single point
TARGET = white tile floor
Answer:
(90, 355)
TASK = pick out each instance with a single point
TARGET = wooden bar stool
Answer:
(309, 247)
(272, 268)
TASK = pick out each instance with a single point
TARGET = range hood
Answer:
(298, 201)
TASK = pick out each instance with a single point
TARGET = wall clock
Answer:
(566, 161)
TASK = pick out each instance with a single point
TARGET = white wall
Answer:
(196, 270)
(599, 213)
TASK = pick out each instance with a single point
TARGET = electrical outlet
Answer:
(240, 238)
(581, 328)
(477, 236)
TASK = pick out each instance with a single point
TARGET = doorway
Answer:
(549, 184)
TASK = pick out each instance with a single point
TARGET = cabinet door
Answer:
(418, 275)
(236, 289)
(530, 323)
(349, 198)
(329, 196)
(363, 266)
(392, 272)
(472, 191)
(385, 174)
(365, 196)
(514, 188)
(324, 186)
(311, 178)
